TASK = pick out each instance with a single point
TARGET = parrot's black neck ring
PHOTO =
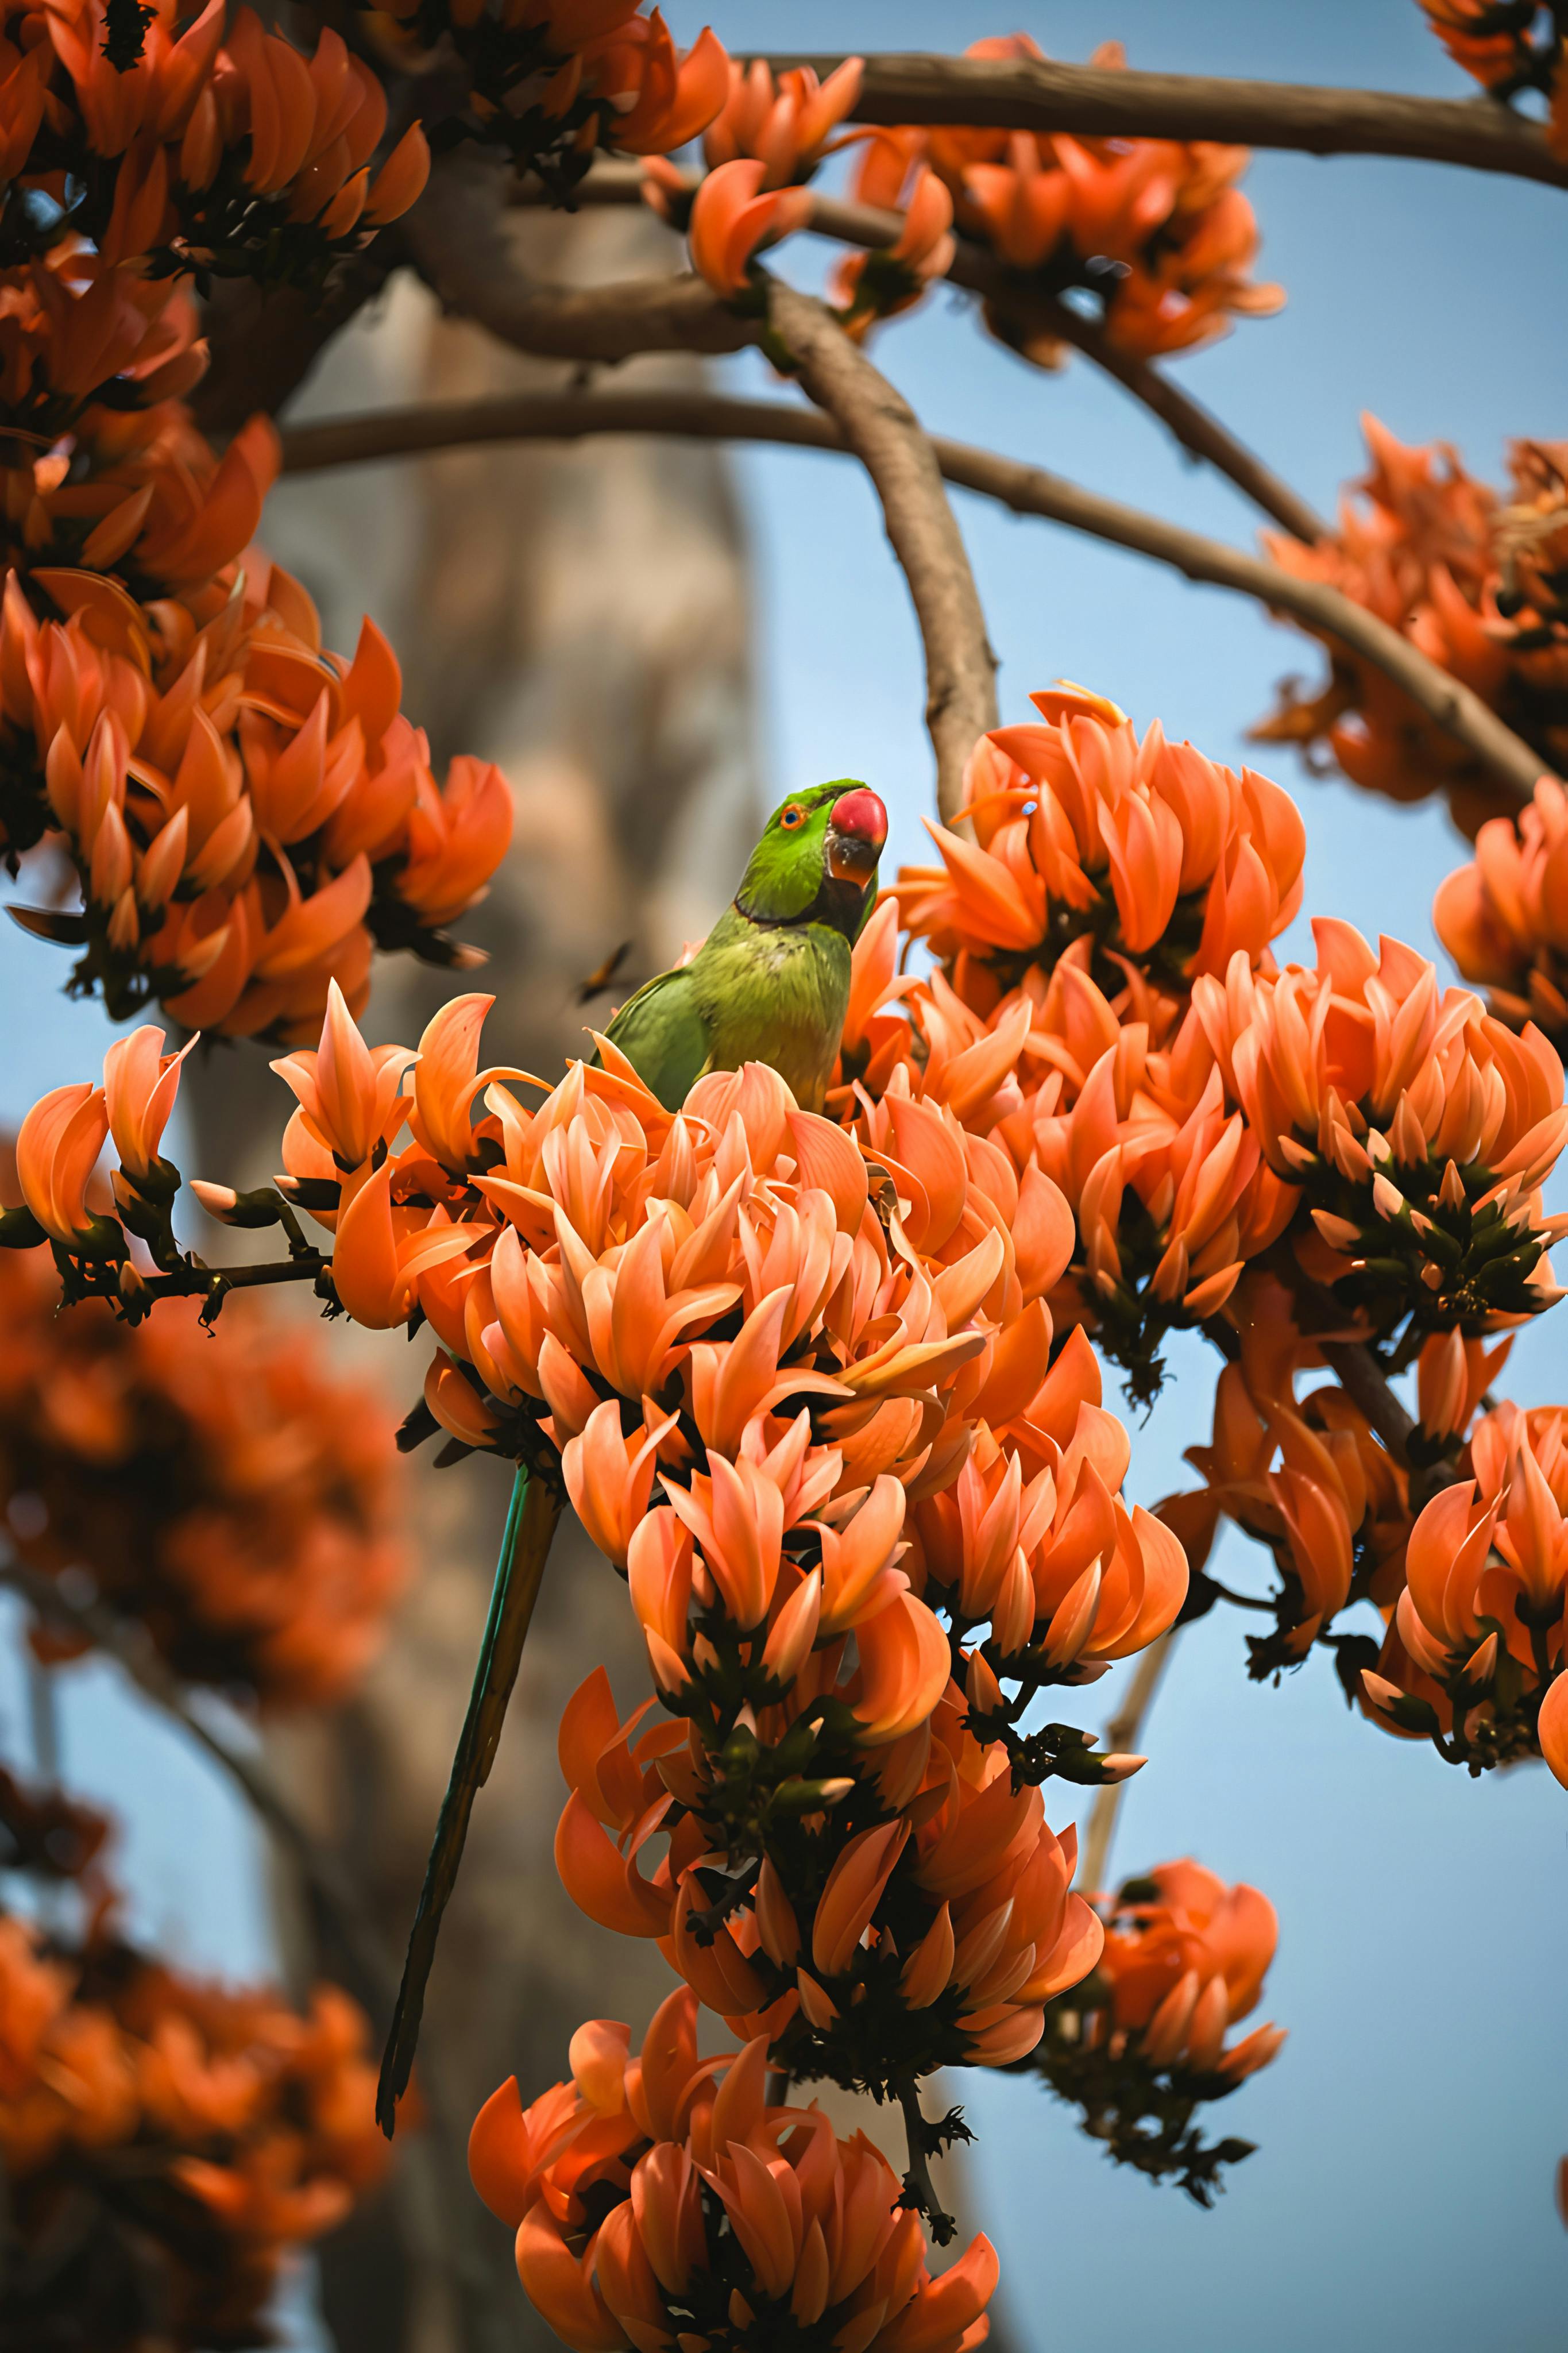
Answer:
(840, 905)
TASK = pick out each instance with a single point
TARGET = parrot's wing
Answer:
(662, 1034)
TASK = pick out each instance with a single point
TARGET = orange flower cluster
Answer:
(786, 125)
(168, 2145)
(1104, 876)
(553, 80)
(248, 816)
(893, 175)
(1307, 1478)
(1504, 917)
(216, 1486)
(1419, 1128)
(229, 153)
(1471, 1588)
(1475, 1648)
(759, 1348)
(666, 2199)
(1475, 581)
(1141, 2047)
(1510, 45)
(1155, 229)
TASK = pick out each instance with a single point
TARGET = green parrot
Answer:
(771, 982)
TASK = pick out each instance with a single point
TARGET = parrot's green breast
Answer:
(776, 994)
(753, 993)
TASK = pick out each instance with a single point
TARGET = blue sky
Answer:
(1401, 2194)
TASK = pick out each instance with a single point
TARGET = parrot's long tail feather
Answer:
(530, 1520)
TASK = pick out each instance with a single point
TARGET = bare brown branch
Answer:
(1027, 489)
(1121, 1735)
(1111, 103)
(878, 425)
(1022, 314)
(455, 237)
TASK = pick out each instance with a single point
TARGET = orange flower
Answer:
(349, 1097)
(1187, 1962)
(731, 219)
(878, 285)
(57, 1153)
(226, 793)
(1552, 1728)
(140, 1083)
(1141, 2049)
(1491, 43)
(653, 100)
(1476, 1647)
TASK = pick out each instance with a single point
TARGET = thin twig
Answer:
(1364, 1383)
(1102, 102)
(1121, 1734)
(1195, 427)
(1021, 311)
(881, 428)
(1511, 762)
(920, 2190)
(451, 2246)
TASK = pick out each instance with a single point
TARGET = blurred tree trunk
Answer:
(581, 616)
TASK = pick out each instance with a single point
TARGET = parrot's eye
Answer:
(792, 818)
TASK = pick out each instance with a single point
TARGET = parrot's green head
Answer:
(816, 861)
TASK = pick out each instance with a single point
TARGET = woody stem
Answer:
(1512, 766)
(1019, 307)
(1120, 1735)
(919, 2190)
(881, 428)
(1102, 102)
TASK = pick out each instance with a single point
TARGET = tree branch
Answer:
(1121, 1735)
(1508, 761)
(455, 239)
(1359, 1377)
(1102, 102)
(457, 236)
(878, 425)
(1022, 312)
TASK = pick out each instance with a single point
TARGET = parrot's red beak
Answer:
(856, 833)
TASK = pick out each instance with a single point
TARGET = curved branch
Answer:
(1016, 304)
(441, 2228)
(1121, 1734)
(1026, 490)
(881, 428)
(1100, 102)
(1022, 312)
(455, 239)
